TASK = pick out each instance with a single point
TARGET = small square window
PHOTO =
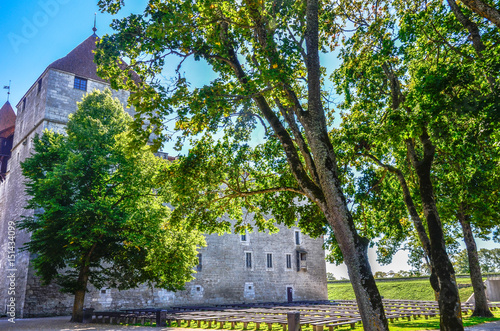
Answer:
(80, 84)
(103, 291)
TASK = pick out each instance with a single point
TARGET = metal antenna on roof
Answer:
(94, 28)
(7, 87)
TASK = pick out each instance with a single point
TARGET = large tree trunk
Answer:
(480, 302)
(449, 300)
(475, 34)
(324, 187)
(83, 277)
(415, 217)
(334, 205)
(484, 9)
(354, 249)
(442, 274)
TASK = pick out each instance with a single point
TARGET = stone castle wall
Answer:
(224, 276)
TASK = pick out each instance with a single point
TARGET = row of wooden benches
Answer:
(319, 316)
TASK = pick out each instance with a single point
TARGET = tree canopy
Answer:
(98, 216)
(415, 77)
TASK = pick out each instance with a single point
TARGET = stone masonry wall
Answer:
(224, 276)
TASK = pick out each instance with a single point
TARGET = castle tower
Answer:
(255, 267)
(46, 105)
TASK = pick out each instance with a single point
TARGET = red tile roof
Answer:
(80, 61)
(7, 119)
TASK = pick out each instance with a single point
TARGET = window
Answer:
(39, 86)
(198, 267)
(301, 260)
(289, 261)
(248, 260)
(80, 84)
(244, 237)
(269, 260)
(24, 104)
(297, 237)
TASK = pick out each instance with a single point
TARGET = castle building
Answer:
(233, 268)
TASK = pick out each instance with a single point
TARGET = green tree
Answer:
(409, 116)
(98, 218)
(489, 260)
(266, 55)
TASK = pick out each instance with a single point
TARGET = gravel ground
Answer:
(62, 323)
(485, 327)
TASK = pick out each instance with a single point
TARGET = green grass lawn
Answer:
(401, 325)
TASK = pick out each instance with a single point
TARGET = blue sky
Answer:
(37, 32)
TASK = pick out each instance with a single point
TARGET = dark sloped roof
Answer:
(80, 61)
(7, 117)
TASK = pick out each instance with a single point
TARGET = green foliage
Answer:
(392, 96)
(489, 260)
(97, 213)
(225, 173)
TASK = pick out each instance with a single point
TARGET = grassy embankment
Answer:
(399, 290)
